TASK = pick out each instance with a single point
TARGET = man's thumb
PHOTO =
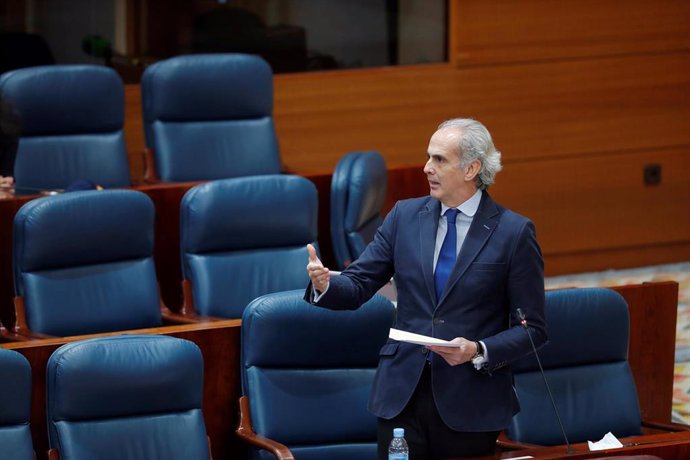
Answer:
(312, 254)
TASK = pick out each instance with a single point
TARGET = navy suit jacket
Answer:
(499, 269)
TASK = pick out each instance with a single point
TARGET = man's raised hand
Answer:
(319, 275)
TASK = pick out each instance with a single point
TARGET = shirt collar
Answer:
(469, 207)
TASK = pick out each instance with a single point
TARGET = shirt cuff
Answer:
(316, 295)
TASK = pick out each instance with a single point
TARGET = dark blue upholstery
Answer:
(358, 193)
(210, 116)
(308, 371)
(134, 397)
(71, 125)
(586, 364)
(15, 406)
(245, 237)
(83, 262)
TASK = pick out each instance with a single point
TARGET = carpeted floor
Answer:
(676, 272)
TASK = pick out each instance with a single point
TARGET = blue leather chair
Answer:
(586, 364)
(306, 377)
(83, 263)
(358, 193)
(72, 120)
(210, 116)
(245, 237)
(134, 397)
(15, 406)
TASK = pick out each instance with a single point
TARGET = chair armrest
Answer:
(246, 432)
(505, 443)
(665, 426)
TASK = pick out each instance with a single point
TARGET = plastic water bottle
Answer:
(398, 450)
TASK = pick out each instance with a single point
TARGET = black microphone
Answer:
(523, 321)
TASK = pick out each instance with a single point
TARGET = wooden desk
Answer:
(219, 342)
(669, 446)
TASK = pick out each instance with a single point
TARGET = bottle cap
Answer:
(399, 432)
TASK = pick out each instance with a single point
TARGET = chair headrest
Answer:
(367, 181)
(247, 213)
(69, 230)
(124, 376)
(283, 330)
(207, 87)
(15, 388)
(65, 99)
(585, 326)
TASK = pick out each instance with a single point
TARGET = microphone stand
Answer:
(523, 321)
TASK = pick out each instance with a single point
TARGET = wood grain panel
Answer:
(600, 202)
(509, 31)
(534, 111)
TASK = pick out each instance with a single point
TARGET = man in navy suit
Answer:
(463, 265)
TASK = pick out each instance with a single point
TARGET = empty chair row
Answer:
(110, 398)
(205, 117)
(83, 262)
(317, 367)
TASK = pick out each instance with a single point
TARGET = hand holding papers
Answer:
(402, 336)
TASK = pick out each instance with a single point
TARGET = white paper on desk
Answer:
(402, 336)
(609, 441)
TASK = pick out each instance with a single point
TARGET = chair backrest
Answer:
(210, 116)
(358, 193)
(72, 120)
(15, 406)
(245, 237)
(586, 364)
(133, 396)
(83, 262)
(308, 371)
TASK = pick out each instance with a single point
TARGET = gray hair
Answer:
(476, 144)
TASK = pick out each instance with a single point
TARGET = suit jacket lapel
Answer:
(483, 225)
(428, 221)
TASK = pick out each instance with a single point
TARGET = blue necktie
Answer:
(448, 254)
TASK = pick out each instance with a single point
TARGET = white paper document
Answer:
(609, 441)
(402, 336)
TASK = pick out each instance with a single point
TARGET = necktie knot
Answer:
(451, 214)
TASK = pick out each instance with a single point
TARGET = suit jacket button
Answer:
(438, 321)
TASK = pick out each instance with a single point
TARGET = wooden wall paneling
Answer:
(534, 111)
(509, 31)
(599, 203)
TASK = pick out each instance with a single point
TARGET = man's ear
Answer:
(472, 170)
